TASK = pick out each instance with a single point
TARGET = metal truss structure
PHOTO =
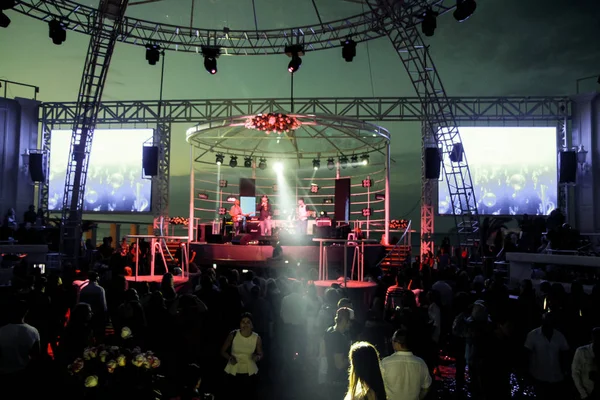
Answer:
(467, 111)
(319, 36)
(106, 28)
(398, 20)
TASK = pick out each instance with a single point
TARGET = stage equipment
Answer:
(57, 31)
(152, 53)
(223, 183)
(367, 183)
(247, 187)
(364, 159)
(567, 167)
(233, 162)
(36, 167)
(107, 26)
(348, 50)
(344, 162)
(379, 197)
(342, 199)
(295, 52)
(330, 164)
(433, 163)
(429, 24)
(150, 161)
(316, 164)
(354, 161)
(202, 196)
(247, 162)
(210, 54)
(314, 188)
(219, 159)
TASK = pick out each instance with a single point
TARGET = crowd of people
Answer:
(270, 335)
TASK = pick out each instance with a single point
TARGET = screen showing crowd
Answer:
(114, 180)
(514, 170)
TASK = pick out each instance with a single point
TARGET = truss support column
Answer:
(192, 220)
(427, 204)
(43, 195)
(160, 183)
(386, 239)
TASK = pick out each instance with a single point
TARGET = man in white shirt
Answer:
(19, 343)
(585, 367)
(547, 348)
(406, 376)
(302, 217)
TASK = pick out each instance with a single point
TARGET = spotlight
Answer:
(57, 31)
(316, 164)
(349, 50)
(247, 162)
(152, 53)
(314, 188)
(223, 183)
(278, 167)
(295, 52)
(364, 159)
(219, 159)
(262, 164)
(5, 5)
(429, 22)
(354, 161)
(233, 162)
(4, 20)
(464, 9)
(330, 164)
(344, 161)
(367, 212)
(210, 58)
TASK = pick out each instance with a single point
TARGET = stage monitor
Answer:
(114, 179)
(248, 205)
(513, 170)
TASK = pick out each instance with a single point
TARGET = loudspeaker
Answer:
(433, 163)
(342, 199)
(247, 187)
(456, 155)
(150, 161)
(36, 167)
(202, 232)
(243, 239)
(567, 167)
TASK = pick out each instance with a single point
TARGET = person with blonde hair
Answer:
(365, 381)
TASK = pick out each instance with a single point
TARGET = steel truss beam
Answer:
(105, 28)
(330, 34)
(160, 183)
(466, 110)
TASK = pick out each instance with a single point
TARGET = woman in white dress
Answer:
(242, 349)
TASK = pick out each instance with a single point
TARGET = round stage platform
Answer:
(350, 285)
(178, 280)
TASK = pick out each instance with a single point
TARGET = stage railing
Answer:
(401, 241)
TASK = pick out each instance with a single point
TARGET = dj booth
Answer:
(223, 231)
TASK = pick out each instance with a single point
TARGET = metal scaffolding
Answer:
(398, 20)
(480, 111)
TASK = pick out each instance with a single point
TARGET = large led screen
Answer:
(114, 179)
(513, 170)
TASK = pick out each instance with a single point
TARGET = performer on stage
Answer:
(237, 217)
(264, 216)
(302, 217)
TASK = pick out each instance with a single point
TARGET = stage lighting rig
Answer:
(247, 162)
(330, 164)
(295, 52)
(464, 9)
(354, 161)
(152, 53)
(429, 23)
(344, 161)
(348, 50)
(210, 54)
(233, 162)
(262, 164)
(219, 159)
(5, 5)
(57, 31)
(367, 212)
(314, 188)
(223, 183)
(316, 164)
(364, 159)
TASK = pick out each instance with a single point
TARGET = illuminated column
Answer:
(150, 230)
(114, 234)
(192, 221)
(386, 239)
(134, 229)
